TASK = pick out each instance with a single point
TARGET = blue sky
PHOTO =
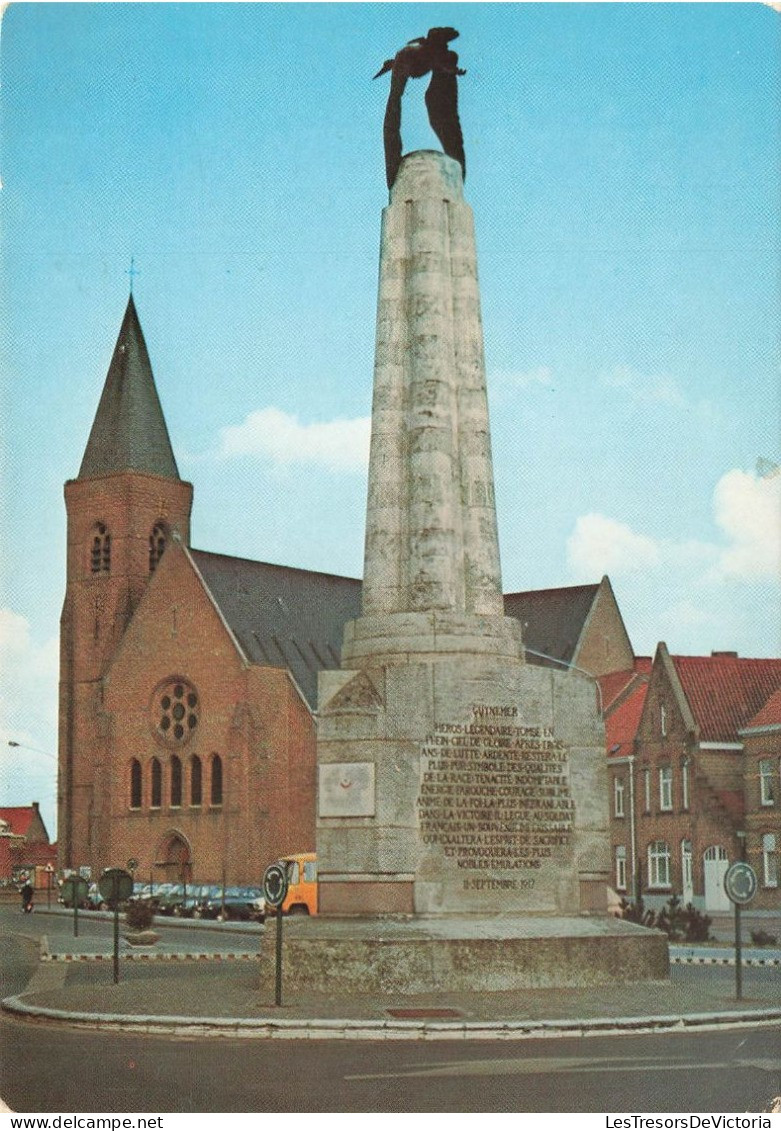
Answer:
(622, 168)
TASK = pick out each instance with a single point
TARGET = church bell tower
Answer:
(124, 506)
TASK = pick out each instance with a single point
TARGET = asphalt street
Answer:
(56, 1068)
(62, 1070)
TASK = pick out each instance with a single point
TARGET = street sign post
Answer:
(740, 884)
(49, 869)
(116, 886)
(274, 892)
(74, 888)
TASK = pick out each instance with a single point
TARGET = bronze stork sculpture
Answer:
(421, 55)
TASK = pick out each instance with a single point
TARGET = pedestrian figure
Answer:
(421, 55)
(28, 891)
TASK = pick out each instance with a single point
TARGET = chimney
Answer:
(732, 655)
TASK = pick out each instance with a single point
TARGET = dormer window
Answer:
(101, 549)
(157, 541)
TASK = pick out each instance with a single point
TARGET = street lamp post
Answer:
(49, 873)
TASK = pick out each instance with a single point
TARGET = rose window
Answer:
(175, 708)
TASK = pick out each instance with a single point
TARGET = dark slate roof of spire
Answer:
(129, 432)
(551, 619)
(282, 617)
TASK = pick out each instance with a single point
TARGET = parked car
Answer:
(192, 901)
(237, 903)
(167, 901)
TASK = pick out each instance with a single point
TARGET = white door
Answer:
(715, 864)
(687, 893)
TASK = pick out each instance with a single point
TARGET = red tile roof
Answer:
(613, 685)
(725, 691)
(622, 721)
(18, 817)
(769, 715)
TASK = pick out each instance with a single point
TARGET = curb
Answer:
(697, 960)
(132, 956)
(239, 956)
(382, 1030)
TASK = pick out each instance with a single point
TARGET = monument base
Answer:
(461, 954)
(463, 785)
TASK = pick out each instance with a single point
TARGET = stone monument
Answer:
(462, 825)
(453, 777)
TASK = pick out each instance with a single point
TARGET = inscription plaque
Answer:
(494, 793)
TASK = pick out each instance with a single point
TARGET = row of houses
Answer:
(694, 757)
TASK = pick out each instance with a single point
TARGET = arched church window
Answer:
(157, 784)
(176, 782)
(101, 549)
(196, 784)
(135, 784)
(157, 541)
(216, 780)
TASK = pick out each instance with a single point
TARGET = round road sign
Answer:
(74, 890)
(123, 881)
(740, 882)
(275, 884)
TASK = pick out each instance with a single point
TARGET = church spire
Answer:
(129, 432)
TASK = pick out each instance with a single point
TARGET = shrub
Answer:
(677, 922)
(762, 938)
(139, 916)
(637, 913)
(697, 925)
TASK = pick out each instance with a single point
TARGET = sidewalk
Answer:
(217, 993)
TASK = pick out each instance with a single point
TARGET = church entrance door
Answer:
(174, 859)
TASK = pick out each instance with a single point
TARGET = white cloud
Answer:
(338, 445)
(599, 544)
(645, 389)
(697, 595)
(748, 510)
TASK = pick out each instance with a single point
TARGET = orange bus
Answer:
(301, 898)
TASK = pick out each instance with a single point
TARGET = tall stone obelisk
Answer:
(453, 777)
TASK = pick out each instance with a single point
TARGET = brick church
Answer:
(188, 679)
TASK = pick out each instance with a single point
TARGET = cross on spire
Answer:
(132, 272)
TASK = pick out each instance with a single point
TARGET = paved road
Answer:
(56, 1070)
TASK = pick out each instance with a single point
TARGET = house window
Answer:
(156, 545)
(620, 867)
(770, 860)
(647, 789)
(157, 784)
(685, 783)
(176, 782)
(101, 550)
(195, 780)
(665, 788)
(618, 796)
(766, 783)
(659, 864)
(135, 784)
(216, 780)
(663, 721)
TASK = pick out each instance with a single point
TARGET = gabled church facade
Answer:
(186, 741)
(188, 679)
